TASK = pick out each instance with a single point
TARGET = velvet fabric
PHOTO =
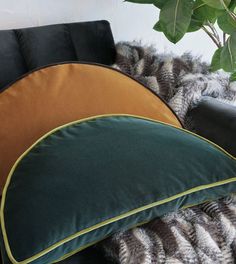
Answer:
(55, 95)
(89, 179)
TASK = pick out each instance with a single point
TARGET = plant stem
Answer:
(224, 38)
(232, 15)
(215, 33)
(212, 36)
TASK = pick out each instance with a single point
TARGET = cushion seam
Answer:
(111, 220)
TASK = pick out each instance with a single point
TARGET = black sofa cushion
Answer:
(23, 50)
(216, 121)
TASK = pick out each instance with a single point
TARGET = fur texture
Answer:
(181, 81)
(203, 234)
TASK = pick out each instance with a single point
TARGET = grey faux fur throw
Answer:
(205, 233)
(182, 81)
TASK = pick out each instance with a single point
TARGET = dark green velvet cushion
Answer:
(90, 179)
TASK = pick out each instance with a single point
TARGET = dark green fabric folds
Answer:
(83, 182)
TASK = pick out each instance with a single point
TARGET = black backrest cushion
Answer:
(12, 63)
(44, 45)
(23, 50)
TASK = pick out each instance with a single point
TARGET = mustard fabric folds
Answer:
(55, 95)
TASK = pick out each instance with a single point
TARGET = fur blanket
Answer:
(181, 81)
(201, 234)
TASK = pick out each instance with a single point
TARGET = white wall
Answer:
(128, 21)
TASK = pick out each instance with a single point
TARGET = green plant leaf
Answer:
(159, 3)
(217, 3)
(226, 23)
(215, 62)
(175, 17)
(232, 4)
(204, 12)
(158, 26)
(141, 1)
(220, 12)
(228, 54)
(194, 25)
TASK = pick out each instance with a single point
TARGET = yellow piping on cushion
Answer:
(91, 244)
(111, 220)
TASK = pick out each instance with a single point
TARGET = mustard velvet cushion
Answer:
(87, 180)
(55, 95)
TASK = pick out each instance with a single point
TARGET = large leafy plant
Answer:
(178, 17)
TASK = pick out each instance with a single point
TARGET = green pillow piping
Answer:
(108, 221)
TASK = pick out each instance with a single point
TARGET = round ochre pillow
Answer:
(55, 95)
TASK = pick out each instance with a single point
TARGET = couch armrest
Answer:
(216, 121)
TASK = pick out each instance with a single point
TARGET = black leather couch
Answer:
(23, 50)
(216, 121)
